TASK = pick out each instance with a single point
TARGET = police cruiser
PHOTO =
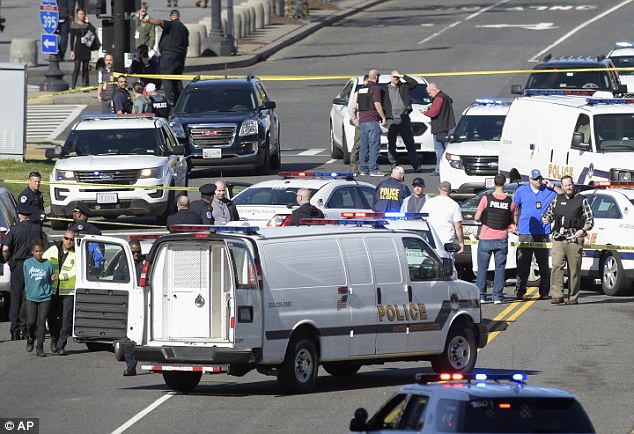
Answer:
(282, 301)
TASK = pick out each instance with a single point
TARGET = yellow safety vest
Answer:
(66, 276)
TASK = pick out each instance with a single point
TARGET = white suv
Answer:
(117, 152)
(623, 57)
(470, 161)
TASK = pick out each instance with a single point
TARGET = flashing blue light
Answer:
(481, 376)
(623, 44)
(99, 115)
(245, 229)
(519, 376)
(610, 100)
(405, 215)
(489, 101)
(317, 174)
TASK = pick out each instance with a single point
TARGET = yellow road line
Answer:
(515, 310)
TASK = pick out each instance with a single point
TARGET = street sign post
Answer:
(49, 16)
(49, 44)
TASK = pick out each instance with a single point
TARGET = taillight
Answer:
(258, 271)
(144, 269)
(2, 234)
(279, 220)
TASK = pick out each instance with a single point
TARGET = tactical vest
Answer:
(127, 108)
(568, 212)
(67, 273)
(365, 101)
(497, 214)
(160, 106)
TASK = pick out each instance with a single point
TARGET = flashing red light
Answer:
(613, 184)
(504, 406)
(144, 237)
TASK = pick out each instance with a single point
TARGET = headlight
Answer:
(155, 172)
(249, 128)
(64, 175)
(455, 161)
(178, 129)
(625, 176)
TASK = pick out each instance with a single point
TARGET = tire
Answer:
(341, 369)
(98, 346)
(59, 225)
(346, 152)
(298, 372)
(119, 351)
(613, 280)
(183, 382)
(335, 152)
(265, 167)
(460, 351)
(276, 160)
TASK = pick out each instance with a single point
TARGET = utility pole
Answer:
(216, 43)
(118, 19)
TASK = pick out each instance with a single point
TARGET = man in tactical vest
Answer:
(370, 114)
(571, 216)
(160, 107)
(495, 211)
(121, 99)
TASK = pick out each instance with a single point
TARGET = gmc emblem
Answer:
(211, 133)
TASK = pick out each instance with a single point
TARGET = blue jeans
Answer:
(439, 148)
(369, 145)
(500, 249)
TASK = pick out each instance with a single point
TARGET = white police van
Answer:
(590, 139)
(282, 301)
(470, 160)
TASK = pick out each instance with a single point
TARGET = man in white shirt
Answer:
(445, 216)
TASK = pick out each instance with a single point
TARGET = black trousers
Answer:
(524, 259)
(36, 313)
(407, 134)
(17, 309)
(60, 319)
(172, 64)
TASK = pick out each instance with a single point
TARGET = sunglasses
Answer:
(69, 239)
(136, 252)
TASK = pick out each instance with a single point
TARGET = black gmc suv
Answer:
(228, 122)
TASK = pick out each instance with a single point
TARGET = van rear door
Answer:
(106, 291)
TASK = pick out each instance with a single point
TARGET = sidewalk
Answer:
(259, 46)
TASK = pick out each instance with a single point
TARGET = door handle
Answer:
(378, 295)
(409, 293)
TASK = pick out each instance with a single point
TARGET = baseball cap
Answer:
(83, 209)
(536, 174)
(445, 186)
(151, 87)
(25, 209)
(418, 181)
(207, 189)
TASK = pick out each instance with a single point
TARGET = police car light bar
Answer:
(518, 377)
(610, 100)
(489, 101)
(390, 215)
(317, 174)
(212, 228)
(116, 115)
(345, 222)
(623, 44)
(613, 184)
(559, 92)
(144, 237)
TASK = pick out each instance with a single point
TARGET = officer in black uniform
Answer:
(183, 216)
(306, 210)
(32, 196)
(80, 217)
(16, 248)
(202, 207)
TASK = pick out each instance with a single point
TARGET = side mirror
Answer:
(339, 101)
(577, 142)
(442, 137)
(55, 152)
(178, 150)
(447, 267)
(268, 105)
(622, 89)
(452, 138)
(451, 247)
(516, 89)
(359, 422)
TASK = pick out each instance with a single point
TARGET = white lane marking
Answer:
(538, 26)
(331, 161)
(537, 56)
(310, 152)
(143, 412)
(452, 25)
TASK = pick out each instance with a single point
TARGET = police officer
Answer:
(121, 99)
(306, 209)
(16, 248)
(160, 107)
(32, 195)
(571, 216)
(80, 217)
(391, 192)
(202, 207)
(183, 216)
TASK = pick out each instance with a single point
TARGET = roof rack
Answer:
(518, 377)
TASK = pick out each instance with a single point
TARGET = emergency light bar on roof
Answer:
(116, 115)
(623, 44)
(249, 230)
(489, 101)
(610, 100)
(530, 92)
(390, 215)
(613, 184)
(317, 174)
(518, 377)
(345, 222)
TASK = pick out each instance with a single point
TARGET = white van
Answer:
(590, 139)
(282, 301)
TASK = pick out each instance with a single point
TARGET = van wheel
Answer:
(119, 351)
(298, 372)
(460, 352)
(276, 160)
(265, 167)
(335, 152)
(613, 281)
(183, 382)
(339, 369)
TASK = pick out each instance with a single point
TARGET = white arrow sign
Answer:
(48, 43)
(538, 26)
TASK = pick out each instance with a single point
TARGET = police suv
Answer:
(117, 165)
(623, 57)
(282, 301)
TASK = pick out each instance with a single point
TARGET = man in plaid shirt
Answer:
(571, 216)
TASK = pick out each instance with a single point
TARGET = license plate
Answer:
(489, 182)
(107, 198)
(399, 142)
(212, 153)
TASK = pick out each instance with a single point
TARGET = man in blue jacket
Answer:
(391, 192)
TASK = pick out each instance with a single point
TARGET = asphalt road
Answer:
(585, 349)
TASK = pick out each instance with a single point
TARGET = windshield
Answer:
(217, 99)
(513, 415)
(623, 62)
(477, 128)
(269, 196)
(614, 133)
(145, 141)
(417, 96)
(598, 80)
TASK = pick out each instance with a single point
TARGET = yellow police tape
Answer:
(118, 186)
(534, 245)
(109, 223)
(339, 77)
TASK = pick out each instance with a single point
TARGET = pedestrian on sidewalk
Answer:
(80, 52)
(371, 117)
(173, 47)
(145, 33)
(442, 119)
(106, 83)
(65, 9)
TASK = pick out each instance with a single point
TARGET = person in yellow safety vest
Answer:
(60, 317)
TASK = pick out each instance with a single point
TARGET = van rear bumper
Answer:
(198, 355)
(483, 335)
